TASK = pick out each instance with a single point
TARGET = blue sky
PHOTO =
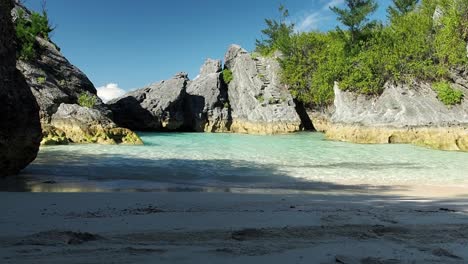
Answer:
(134, 43)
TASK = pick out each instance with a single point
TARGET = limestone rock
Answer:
(20, 130)
(402, 114)
(52, 78)
(259, 102)
(55, 81)
(399, 106)
(85, 125)
(207, 104)
(157, 107)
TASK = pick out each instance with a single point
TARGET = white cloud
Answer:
(109, 92)
(311, 21)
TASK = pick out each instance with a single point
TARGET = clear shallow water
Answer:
(224, 162)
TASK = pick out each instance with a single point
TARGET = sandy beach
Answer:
(324, 227)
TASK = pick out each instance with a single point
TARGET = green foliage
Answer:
(447, 94)
(355, 17)
(87, 100)
(411, 46)
(227, 76)
(276, 35)
(314, 63)
(452, 34)
(27, 29)
(402, 7)
(41, 80)
(260, 98)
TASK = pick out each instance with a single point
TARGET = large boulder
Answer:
(83, 125)
(259, 102)
(158, 107)
(55, 81)
(207, 107)
(20, 130)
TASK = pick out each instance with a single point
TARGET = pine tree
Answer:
(277, 34)
(355, 16)
(402, 7)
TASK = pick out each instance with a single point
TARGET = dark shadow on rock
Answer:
(128, 113)
(306, 123)
(194, 116)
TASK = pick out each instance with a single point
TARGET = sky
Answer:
(123, 45)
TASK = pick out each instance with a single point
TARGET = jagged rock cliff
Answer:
(207, 104)
(20, 130)
(402, 114)
(253, 102)
(259, 102)
(158, 107)
(55, 81)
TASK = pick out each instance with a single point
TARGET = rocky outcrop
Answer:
(207, 104)
(55, 81)
(253, 102)
(83, 125)
(259, 103)
(402, 114)
(20, 130)
(158, 107)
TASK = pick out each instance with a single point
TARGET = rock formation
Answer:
(259, 103)
(158, 107)
(84, 125)
(55, 81)
(20, 130)
(253, 102)
(207, 104)
(402, 114)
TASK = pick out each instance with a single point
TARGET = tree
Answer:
(355, 17)
(277, 34)
(402, 7)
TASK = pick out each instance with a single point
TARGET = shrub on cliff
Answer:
(27, 29)
(87, 100)
(227, 76)
(447, 94)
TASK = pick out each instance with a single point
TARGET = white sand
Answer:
(204, 228)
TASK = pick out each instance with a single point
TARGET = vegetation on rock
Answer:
(87, 100)
(413, 45)
(227, 76)
(447, 94)
(27, 29)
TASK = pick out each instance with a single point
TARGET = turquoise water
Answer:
(194, 162)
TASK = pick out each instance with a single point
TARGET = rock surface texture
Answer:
(20, 130)
(207, 100)
(402, 114)
(158, 107)
(55, 81)
(259, 103)
(252, 102)
(84, 125)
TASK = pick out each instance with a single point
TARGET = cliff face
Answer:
(55, 81)
(253, 102)
(402, 114)
(20, 130)
(259, 102)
